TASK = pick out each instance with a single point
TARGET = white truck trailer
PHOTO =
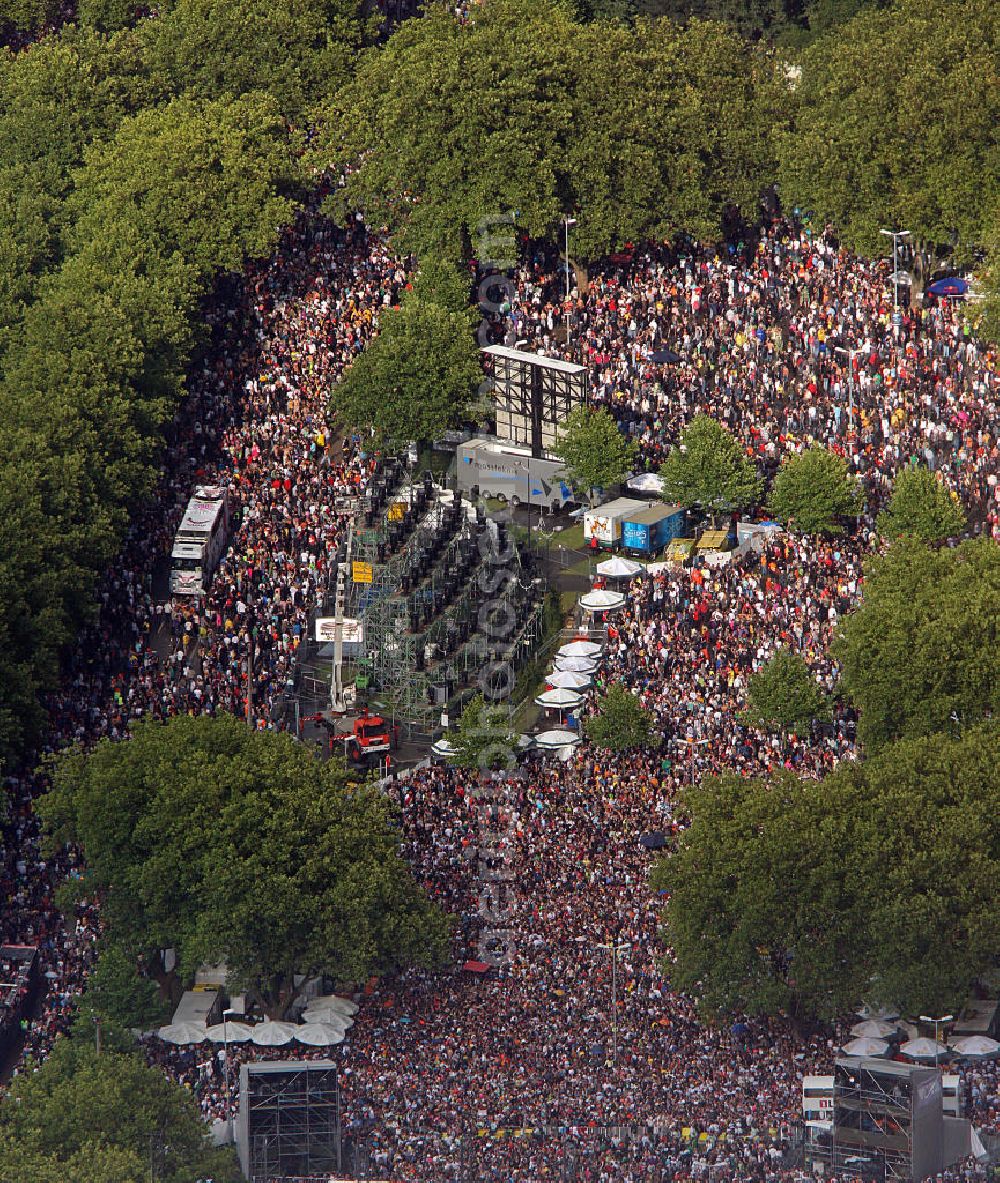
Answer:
(510, 473)
(200, 541)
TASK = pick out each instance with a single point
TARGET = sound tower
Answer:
(289, 1120)
(533, 395)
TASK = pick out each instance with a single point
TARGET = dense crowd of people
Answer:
(529, 1071)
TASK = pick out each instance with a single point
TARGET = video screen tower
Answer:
(533, 395)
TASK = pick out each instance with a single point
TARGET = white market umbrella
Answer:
(976, 1047)
(602, 600)
(567, 680)
(875, 1029)
(229, 1032)
(575, 665)
(181, 1033)
(319, 1034)
(346, 1006)
(273, 1034)
(580, 649)
(559, 699)
(876, 1012)
(443, 748)
(865, 1046)
(923, 1049)
(619, 568)
(645, 482)
(325, 1015)
(552, 741)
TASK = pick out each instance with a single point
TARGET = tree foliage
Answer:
(621, 723)
(709, 469)
(117, 994)
(484, 737)
(783, 694)
(416, 379)
(594, 452)
(807, 896)
(924, 646)
(922, 507)
(245, 848)
(813, 491)
(95, 1116)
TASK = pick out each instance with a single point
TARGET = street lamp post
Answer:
(895, 235)
(226, 1015)
(567, 222)
(937, 1023)
(614, 950)
(850, 354)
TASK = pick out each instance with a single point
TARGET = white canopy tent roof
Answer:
(230, 1033)
(346, 1006)
(865, 1046)
(602, 600)
(579, 649)
(559, 699)
(576, 665)
(620, 568)
(553, 741)
(645, 482)
(568, 680)
(875, 1029)
(319, 1034)
(923, 1049)
(976, 1047)
(182, 1033)
(273, 1034)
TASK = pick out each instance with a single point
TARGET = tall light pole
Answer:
(895, 235)
(567, 222)
(226, 1016)
(614, 950)
(937, 1023)
(850, 354)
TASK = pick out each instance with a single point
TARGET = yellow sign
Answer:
(396, 511)
(361, 572)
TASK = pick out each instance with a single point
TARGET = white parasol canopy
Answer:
(645, 482)
(865, 1046)
(443, 748)
(567, 680)
(976, 1047)
(559, 699)
(273, 1034)
(552, 741)
(602, 600)
(923, 1049)
(180, 1033)
(319, 1034)
(346, 1006)
(876, 1012)
(580, 649)
(875, 1029)
(619, 568)
(229, 1032)
(323, 1014)
(576, 665)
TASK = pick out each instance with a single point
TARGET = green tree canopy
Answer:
(709, 469)
(484, 737)
(242, 847)
(621, 722)
(923, 646)
(416, 379)
(897, 127)
(99, 1113)
(809, 896)
(117, 994)
(813, 491)
(783, 694)
(921, 507)
(594, 452)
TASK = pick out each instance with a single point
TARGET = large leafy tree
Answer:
(709, 469)
(774, 905)
(920, 654)
(594, 452)
(100, 1115)
(621, 723)
(783, 694)
(922, 507)
(484, 737)
(897, 127)
(813, 491)
(416, 379)
(242, 847)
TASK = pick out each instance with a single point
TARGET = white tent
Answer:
(580, 649)
(323, 1014)
(553, 741)
(319, 1034)
(865, 1046)
(443, 748)
(576, 665)
(602, 600)
(181, 1033)
(923, 1049)
(976, 1047)
(619, 568)
(346, 1006)
(230, 1032)
(868, 1011)
(273, 1034)
(645, 482)
(567, 680)
(875, 1029)
(559, 699)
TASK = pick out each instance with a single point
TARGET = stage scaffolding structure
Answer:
(289, 1120)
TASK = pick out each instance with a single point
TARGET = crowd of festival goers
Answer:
(525, 1072)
